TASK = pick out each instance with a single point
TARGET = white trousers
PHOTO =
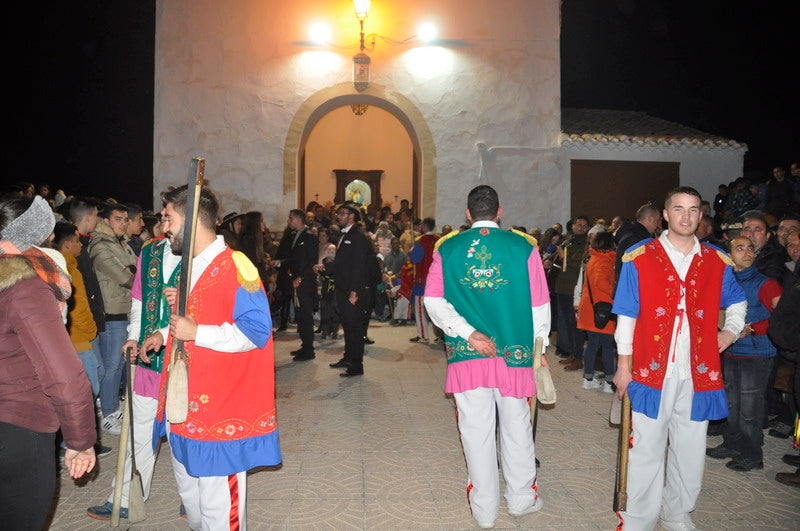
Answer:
(402, 309)
(478, 410)
(649, 491)
(213, 503)
(421, 317)
(144, 413)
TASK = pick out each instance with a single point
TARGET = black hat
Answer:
(353, 207)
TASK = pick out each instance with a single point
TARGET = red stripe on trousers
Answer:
(233, 487)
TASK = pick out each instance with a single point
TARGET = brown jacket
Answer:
(43, 385)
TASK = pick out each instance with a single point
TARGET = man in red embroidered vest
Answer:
(231, 426)
(668, 298)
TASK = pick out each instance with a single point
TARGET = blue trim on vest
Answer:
(760, 346)
(223, 458)
(706, 405)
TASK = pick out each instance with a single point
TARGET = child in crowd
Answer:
(402, 293)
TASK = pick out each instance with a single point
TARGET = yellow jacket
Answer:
(80, 321)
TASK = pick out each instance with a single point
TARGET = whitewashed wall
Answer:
(229, 78)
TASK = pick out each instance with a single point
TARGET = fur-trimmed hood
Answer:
(13, 269)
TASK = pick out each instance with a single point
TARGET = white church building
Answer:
(288, 106)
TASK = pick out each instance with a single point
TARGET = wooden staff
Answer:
(621, 482)
(178, 379)
(538, 346)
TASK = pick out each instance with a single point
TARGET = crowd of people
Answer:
(597, 288)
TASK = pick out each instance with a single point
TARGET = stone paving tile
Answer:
(381, 452)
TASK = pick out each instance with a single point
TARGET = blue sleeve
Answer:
(626, 299)
(252, 317)
(416, 254)
(732, 292)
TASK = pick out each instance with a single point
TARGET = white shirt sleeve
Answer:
(135, 320)
(734, 318)
(445, 316)
(541, 323)
(576, 294)
(223, 338)
(624, 334)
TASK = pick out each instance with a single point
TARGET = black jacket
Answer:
(302, 257)
(627, 235)
(349, 266)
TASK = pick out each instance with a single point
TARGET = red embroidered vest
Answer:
(660, 293)
(231, 396)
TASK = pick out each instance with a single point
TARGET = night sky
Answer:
(81, 106)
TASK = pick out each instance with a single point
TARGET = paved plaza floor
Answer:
(382, 452)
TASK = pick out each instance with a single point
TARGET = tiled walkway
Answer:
(382, 452)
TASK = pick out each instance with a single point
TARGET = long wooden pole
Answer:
(621, 482)
(178, 379)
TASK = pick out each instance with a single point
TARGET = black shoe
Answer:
(341, 364)
(101, 451)
(779, 434)
(720, 452)
(368, 341)
(305, 357)
(792, 459)
(281, 328)
(352, 372)
(417, 339)
(298, 352)
(744, 464)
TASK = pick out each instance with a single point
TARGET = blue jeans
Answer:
(746, 387)
(111, 341)
(604, 343)
(569, 339)
(92, 364)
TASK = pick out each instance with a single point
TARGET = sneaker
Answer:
(682, 525)
(417, 339)
(103, 512)
(537, 504)
(112, 424)
(608, 387)
(591, 384)
(102, 451)
(485, 525)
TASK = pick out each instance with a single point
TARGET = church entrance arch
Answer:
(324, 101)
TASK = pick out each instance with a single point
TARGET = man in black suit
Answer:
(349, 276)
(303, 255)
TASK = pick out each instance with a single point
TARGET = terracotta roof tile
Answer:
(601, 126)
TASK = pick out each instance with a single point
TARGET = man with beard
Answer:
(231, 388)
(349, 270)
(150, 312)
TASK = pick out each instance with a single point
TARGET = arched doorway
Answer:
(342, 94)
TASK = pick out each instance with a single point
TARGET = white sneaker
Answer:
(591, 384)
(537, 504)
(112, 424)
(607, 388)
(682, 525)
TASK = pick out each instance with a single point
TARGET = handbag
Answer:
(601, 309)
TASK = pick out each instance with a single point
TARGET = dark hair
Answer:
(110, 208)
(603, 241)
(483, 203)
(12, 207)
(429, 223)
(688, 190)
(79, 207)
(62, 231)
(297, 213)
(757, 215)
(209, 206)
(150, 222)
(133, 209)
